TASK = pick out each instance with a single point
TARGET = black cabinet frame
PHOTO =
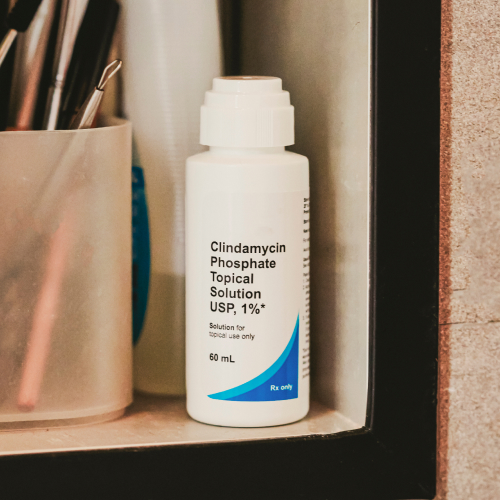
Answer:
(393, 456)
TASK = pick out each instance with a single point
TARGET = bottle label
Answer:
(253, 301)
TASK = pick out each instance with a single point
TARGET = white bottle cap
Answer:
(247, 112)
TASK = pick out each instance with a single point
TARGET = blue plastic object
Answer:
(141, 255)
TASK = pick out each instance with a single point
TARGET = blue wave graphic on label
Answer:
(279, 382)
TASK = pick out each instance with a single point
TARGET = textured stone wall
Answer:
(469, 393)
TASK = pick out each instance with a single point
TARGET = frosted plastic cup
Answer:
(65, 275)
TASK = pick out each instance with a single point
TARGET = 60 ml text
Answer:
(224, 359)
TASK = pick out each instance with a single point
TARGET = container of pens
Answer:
(65, 275)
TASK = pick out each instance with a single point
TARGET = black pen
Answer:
(6, 70)
(69, 23)
(18, 20)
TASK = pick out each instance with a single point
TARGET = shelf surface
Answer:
(154, 421)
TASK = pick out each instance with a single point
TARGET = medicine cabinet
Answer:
(364, 80)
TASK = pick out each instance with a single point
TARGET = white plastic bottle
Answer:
(247, 260)
(172, 51)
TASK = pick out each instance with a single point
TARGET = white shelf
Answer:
(152, 421)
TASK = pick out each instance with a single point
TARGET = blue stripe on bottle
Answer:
(279, 382)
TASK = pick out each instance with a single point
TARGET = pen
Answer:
(69, 23)
(18, 20)
(30, 53)
(5, 71)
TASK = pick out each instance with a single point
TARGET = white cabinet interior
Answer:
(321, 50)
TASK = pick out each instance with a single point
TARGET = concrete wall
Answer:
(469, 393)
